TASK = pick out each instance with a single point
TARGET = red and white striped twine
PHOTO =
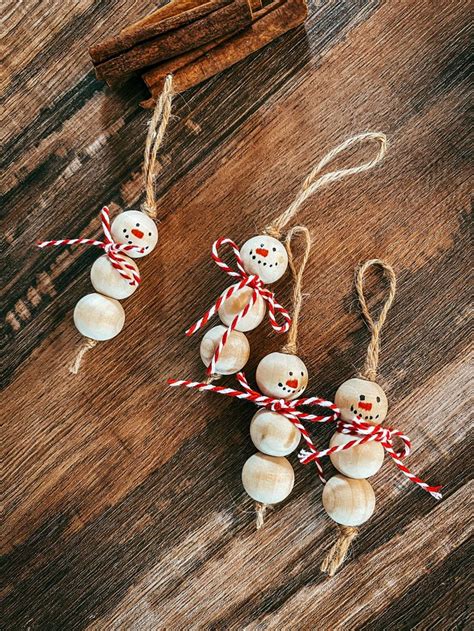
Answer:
(246, 280)
(367, 433)
(111, 249)
(364, 431)
(287, 409)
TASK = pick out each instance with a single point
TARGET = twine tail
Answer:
(312, 183)
(158, 124)
(86, 345)
(375, 326)
(297, 272)
(338, 552)
(260, 510)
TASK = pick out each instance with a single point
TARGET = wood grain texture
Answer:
(123, 506)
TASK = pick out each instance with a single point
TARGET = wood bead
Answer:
(362, 398)
(133, 226)
(357, 462)
(268, 479)
(348, 502)
(99, 317)
(234, 355)
(273, 434)
(107, 281)
(234, 305)
(282, 376)
(265, 256)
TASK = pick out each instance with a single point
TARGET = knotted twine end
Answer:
(86, 345)
(337, 554)
(260, 511)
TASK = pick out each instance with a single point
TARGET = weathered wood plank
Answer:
(124, 507)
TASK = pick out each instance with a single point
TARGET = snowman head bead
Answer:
(266, 257)
(134, 227)
(363, 399)
(282, 376)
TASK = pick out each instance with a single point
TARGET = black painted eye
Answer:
(302, 373)
(274, 249)
(250, 251)
(276, 263)
(378, 399)
(125, 229)
(137, 225)
(149, 234)
(262, 245)
(291, 374)
(362, 397)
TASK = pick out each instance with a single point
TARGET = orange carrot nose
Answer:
(365, 406)
(292, 383)
(137, 233)
(262, 251)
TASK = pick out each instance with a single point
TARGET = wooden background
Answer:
(123, 505)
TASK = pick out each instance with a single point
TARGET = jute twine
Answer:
(156, 132)
(291, 345)
(338, 552)
(312, 184)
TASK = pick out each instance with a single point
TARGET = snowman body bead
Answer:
(348, 502)
(133, 227)
(234, 355)
(99, 317)
(265, 257)
(273, 434)
(108, 281)
(234, 305)
(360, 461)
(268, 479)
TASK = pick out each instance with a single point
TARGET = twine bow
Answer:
(367, 433)
(288, 409)
(246, 280)
(112, 249)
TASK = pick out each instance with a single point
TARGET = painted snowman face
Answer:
(133, 226)
(282, 376)
(364, 399)
(266, 257)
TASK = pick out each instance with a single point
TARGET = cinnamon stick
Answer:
(153, 26)
(271, 22)
(232, 17)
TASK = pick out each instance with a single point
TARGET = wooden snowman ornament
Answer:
(267, 476)
(133, 234)
(261, 262)
(358, 447)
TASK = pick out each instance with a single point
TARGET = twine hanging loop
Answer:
(312, 183)
(156, 132)
(375, 325)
